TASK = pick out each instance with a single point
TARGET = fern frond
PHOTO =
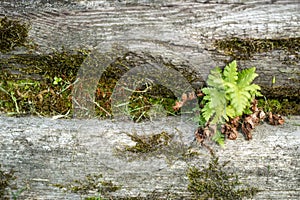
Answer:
(230, 112)
(246, 77)
(207, 112)
(253, 89)
(215, 78)
(241, 93)
(229, 93)
(219, 138)
(240, 99)
(215, 104)
(230, 72)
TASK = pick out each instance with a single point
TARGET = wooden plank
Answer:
(44, 152)
(182, 32)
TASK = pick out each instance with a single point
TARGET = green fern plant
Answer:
(229, 93)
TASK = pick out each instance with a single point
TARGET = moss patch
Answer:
(39, 84)
(281, 100)
(42, 84)
(13, 33)
(214, 182)
(161, 145)
(280, 106)
(91, 183)
(146, 97)
(145, 144)
(8, 187)
(281, 92)
(243, 49)
(141, 100)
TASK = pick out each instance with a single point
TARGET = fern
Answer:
(215, 108)
(219, 138)
(230, 73)
(229, 93)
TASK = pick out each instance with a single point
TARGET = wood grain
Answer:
(45, 152)
(178, 31)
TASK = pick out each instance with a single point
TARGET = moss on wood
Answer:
(92, 183)
(13, 33)
(244, 49)
(215, 182)
(28, 83)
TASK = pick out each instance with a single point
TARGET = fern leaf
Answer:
(230, 112)
(215, 78)
(207, 112)
(246, 77)
(219, 138)
(253, 89)
(230, 72)
(215, 104)
(229, 93)
(240, 99)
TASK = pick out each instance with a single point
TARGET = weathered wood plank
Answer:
(45, 152)
(179, 31)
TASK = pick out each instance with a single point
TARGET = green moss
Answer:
(13, 33)
(281, 92)
(28, 83)
(243, 49)
(283, 100)
(91, 183)
(214, 182)
(6, 182)
(280, 106)
(146, 144)
(146, 97)
(162, 145)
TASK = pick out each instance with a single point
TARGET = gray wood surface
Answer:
(181, 32)
(44, 151)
